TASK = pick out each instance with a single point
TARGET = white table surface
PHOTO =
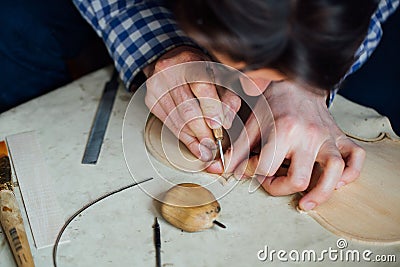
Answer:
(118, 231)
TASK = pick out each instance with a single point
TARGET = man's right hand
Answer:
(190, 111)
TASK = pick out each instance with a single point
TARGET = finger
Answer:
(188, 140)
(250, 136)
(183, 134)
(190, 112)
(258, 129)
(250, 87)
(182, 98)
(272, 154)
(210, 104)
(167, 105)
(297, 178)
(247, 168)
(241, 148)
(230, 104)
(266, 163)
(333, 165)
(354, 157)
(216, 167)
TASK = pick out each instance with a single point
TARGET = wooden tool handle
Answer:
(13, 227)
(218, 133)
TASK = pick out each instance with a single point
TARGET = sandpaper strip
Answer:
(44, 213)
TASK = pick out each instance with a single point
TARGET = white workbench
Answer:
(118, 231)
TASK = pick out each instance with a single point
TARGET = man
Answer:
(144, 36)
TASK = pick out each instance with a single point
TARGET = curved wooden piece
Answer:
(366, 210)
(361, 123)
(369, 208)
(165, 147)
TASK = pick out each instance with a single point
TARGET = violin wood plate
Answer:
(366, 210)
(369, 208)
(166, 148)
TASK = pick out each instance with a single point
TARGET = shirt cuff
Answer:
(136, 40)
(331, 97)
(135, 32)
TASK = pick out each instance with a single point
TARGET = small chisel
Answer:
(219, 136)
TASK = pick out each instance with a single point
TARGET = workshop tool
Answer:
(218, 133)
(10, 214)
(82, 209)
(219, 136)
(190, 207)
(157, 242)
(37, 188)
(100, 122)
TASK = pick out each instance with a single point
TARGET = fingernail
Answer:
(239, 171)
(261, 179)
(205, 153)
(340, 184)
(237, 175)
(309, 206)
(228, 116)
(208, 143)
(215, 167)
(215, 122)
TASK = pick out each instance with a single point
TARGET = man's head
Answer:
(309, 41)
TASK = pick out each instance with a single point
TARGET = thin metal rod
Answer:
(70, 219)
(219, 224)
(157, 242)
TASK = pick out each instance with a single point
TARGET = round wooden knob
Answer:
(190, 207)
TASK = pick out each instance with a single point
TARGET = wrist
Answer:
(149, 69)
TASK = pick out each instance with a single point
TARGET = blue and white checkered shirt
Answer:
(137, 32)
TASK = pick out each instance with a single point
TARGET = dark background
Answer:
(377, 83)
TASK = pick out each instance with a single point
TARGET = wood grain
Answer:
(190, 207)
(11, 220)
(366, 210)
(13, 227)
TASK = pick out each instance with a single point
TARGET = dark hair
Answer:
(313, 41)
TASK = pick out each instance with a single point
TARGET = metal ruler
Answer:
(100, 122)
(37, 189)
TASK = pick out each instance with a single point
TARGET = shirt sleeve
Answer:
(136, 32)
(371, 41)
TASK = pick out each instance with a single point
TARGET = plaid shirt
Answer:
(137, 32)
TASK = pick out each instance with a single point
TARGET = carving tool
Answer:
(219, 136)
(100, 122)
(157, 242)
(10, 214)
(218, 133)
